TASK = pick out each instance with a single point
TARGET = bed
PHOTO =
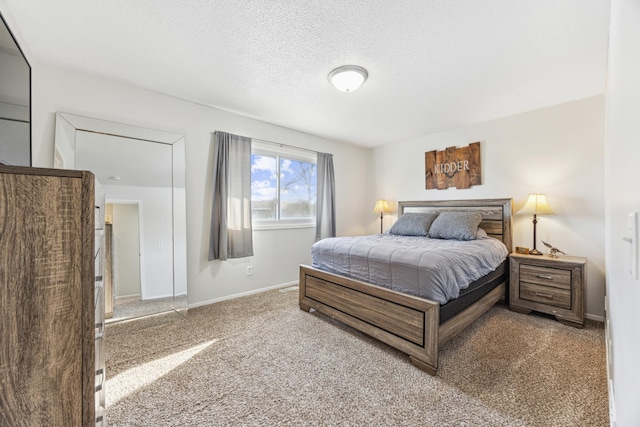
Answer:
(410, 323)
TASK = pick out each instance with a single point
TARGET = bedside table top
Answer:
(547, 259)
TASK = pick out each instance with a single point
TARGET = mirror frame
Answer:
(17, 116)
(67, 125)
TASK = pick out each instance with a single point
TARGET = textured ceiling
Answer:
(433, 64)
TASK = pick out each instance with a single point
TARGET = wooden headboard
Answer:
(496, 214)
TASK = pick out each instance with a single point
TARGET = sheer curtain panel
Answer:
(231, 235)
(326, 213)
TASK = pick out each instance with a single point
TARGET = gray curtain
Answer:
(231, 235)
(326, 210)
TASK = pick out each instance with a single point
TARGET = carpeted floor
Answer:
(129, 308)
(261, 361)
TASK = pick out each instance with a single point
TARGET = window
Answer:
(283, 187)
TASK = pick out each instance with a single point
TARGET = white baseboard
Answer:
(594, 317)
(609, 350)
(242, 294)
(121, 297)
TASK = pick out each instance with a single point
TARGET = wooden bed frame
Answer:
(407, 323)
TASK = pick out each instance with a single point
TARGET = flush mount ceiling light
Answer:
(348, 77)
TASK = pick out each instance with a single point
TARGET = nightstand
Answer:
(549, 285)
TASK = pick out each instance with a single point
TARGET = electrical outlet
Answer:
(249, 270)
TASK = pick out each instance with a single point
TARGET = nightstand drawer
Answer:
(546, 295)
(554, 277)
(548, 285)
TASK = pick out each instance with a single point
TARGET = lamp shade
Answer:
(381, 207)
(536, 205)
(348, 77)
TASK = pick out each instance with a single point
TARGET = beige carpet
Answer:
(261, 361)
(128, 308)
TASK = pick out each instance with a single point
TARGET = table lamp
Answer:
(382, 208)
(537, 205)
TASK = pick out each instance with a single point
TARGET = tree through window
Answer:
(283, 186)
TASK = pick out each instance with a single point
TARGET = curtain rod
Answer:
(282, 145)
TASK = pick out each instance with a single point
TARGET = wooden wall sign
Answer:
(453, 167)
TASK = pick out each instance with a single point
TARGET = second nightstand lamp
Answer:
(382, 208)
(537, 205)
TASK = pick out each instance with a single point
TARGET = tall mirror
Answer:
(15, 101)
(142, 175)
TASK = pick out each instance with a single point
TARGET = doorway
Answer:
(126, 253)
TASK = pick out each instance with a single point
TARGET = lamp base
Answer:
(535, 252)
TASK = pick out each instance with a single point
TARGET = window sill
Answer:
(282, 226)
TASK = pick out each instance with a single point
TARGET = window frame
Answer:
(291, 153)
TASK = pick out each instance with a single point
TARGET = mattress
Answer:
(434, 269)
(476, 290)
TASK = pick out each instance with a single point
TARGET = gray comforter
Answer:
(429, 268)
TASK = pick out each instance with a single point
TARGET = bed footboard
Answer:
(405, 322)
(463, 319)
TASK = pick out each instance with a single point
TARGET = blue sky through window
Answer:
(297, 183)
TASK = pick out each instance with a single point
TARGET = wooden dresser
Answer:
(549, 285)
(48, 297)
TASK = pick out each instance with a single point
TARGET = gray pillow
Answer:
(455, 225)
(413, 224)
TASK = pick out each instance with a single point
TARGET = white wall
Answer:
(622, 198)
(14, 86)
(557, 151)
(278, 253)
(180, 242)
(126, 250)
(14, 102)
(156, 246)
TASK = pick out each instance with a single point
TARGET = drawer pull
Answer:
(540, 294)
(99, 329)
(100, 373)
(541, 276)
